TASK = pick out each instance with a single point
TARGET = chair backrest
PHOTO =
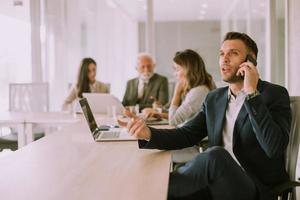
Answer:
(294, 139)
(28, 97)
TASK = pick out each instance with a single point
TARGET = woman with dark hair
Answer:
(86, 82)
(193, 84)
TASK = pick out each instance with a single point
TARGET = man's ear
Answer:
(253, 55)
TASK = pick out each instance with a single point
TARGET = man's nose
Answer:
(147, 69)
(226, 59)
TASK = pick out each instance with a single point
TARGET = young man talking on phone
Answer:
(247, 124)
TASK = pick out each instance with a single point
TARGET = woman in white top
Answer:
(86, 82)
(193, 84)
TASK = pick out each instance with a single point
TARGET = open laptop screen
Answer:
(88, 115)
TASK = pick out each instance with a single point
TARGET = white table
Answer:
(69, 165)
(23, 122)
(47, 120)
(17, 121)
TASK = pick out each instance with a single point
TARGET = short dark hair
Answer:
(250, 44)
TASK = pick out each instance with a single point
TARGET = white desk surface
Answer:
(51, 117)
(11, 117)
(70, 165)
(38, 117)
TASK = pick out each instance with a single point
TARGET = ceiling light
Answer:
(204, 5)
(18, 3)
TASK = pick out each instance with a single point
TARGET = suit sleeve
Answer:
(163, 95)
(170, 139)
(271, 123)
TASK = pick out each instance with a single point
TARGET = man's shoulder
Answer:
(133, 80)
(157, 76)
(217, 92)
(267, 88)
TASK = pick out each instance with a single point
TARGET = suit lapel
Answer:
(135, 91)
(148, 88)
(239, 122)
(242, 116)
(221, 105)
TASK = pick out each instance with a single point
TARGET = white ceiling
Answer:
(164, 10)
(20, 12)
(187, 10)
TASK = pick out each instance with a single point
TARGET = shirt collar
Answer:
(240, 94)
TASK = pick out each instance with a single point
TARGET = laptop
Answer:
(100, 102)
(103, 132)
(154, 121)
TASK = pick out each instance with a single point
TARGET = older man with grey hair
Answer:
(148, 86)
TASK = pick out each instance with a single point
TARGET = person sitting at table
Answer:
(247, 123)
(147, 87)
(193, 84)
(86, 82)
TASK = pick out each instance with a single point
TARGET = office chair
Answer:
(287, 190)
(25, 97)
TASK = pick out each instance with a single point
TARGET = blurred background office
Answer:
(44, 40)
(42, 43)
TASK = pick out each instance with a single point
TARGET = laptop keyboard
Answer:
(110, 134)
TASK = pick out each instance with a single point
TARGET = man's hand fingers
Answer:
(129, 114)
(139, 134)
(121, 123)
(131, 123)
(133, 129)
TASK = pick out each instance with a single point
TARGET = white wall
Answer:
(87, 28)
(202, 36)
(15, 47)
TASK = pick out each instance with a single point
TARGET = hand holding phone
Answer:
(249, 58)
(251, 80)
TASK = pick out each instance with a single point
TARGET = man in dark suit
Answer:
(148, 87)
(247, 125)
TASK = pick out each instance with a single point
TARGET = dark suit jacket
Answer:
(260, 138)
(157, 87)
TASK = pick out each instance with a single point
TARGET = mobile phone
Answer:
(251, 59)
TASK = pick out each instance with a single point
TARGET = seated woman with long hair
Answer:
(193, 84)
(86, 82)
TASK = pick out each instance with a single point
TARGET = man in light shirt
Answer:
(247, 124)
(148, 86)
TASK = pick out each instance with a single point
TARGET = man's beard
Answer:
(233, 78)
(146, 77)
